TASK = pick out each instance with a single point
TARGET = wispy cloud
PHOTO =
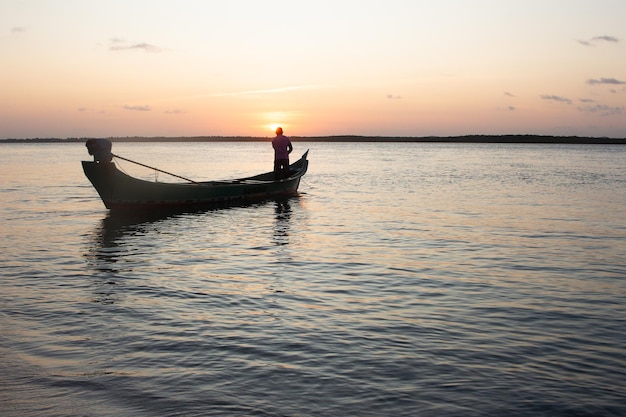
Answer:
(602, 110)
(392, 97)
(88, 110)
(586, 100)
(267, 91)
(612, 81)
(556, 98)
(605, 38)
(506, 93)
(137, 108)
(598, 39)
(507, 108)
(18, 29)
(118, 44)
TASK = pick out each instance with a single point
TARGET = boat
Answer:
(121, 192)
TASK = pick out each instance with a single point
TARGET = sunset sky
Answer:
(86, 68)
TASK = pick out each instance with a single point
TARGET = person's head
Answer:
(279, 130)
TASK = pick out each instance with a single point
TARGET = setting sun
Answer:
(272, 127)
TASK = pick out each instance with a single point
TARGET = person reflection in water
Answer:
(282, 148)
(281, 228)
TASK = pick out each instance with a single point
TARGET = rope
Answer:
(156, 169)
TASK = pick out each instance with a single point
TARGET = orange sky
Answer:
(410, 68)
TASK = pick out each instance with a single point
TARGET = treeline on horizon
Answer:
(350, 138)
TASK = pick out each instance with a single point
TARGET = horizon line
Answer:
(477, 138)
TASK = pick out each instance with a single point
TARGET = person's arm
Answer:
(289, 147)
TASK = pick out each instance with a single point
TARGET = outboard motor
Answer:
(100, 149)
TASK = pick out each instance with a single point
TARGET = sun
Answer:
(274, 119)
(273, 126)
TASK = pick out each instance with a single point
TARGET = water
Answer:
(404, 280)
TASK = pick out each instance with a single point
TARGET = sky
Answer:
(117, 68)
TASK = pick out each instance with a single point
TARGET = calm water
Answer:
(405, 280)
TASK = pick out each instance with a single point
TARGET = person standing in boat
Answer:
(282, 148)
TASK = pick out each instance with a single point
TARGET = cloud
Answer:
(586, 100)
(88, 110)
(602, 109)
(556, 98)
(506, 93)
(596, 39)
(507, 108)
(267, 91)
(392, 97)
(18, 29)
(145, 46)
(605, 38)
(175, 111)
(137, 108)
(612, 81)
(118, 44)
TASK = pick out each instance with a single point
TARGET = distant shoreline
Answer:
(354, 138)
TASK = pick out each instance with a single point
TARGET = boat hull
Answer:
(120, 191)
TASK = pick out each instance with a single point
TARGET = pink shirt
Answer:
(282, 147)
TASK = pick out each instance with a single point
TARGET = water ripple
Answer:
(432, 285)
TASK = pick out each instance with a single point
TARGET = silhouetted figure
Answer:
(282, 148)
(100, 149)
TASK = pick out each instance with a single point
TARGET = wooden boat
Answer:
(120, 191)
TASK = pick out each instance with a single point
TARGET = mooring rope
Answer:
(156, 169)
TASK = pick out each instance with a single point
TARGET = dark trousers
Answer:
(281, 168)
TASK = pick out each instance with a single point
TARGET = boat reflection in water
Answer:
(165, 243)
(114, 251)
